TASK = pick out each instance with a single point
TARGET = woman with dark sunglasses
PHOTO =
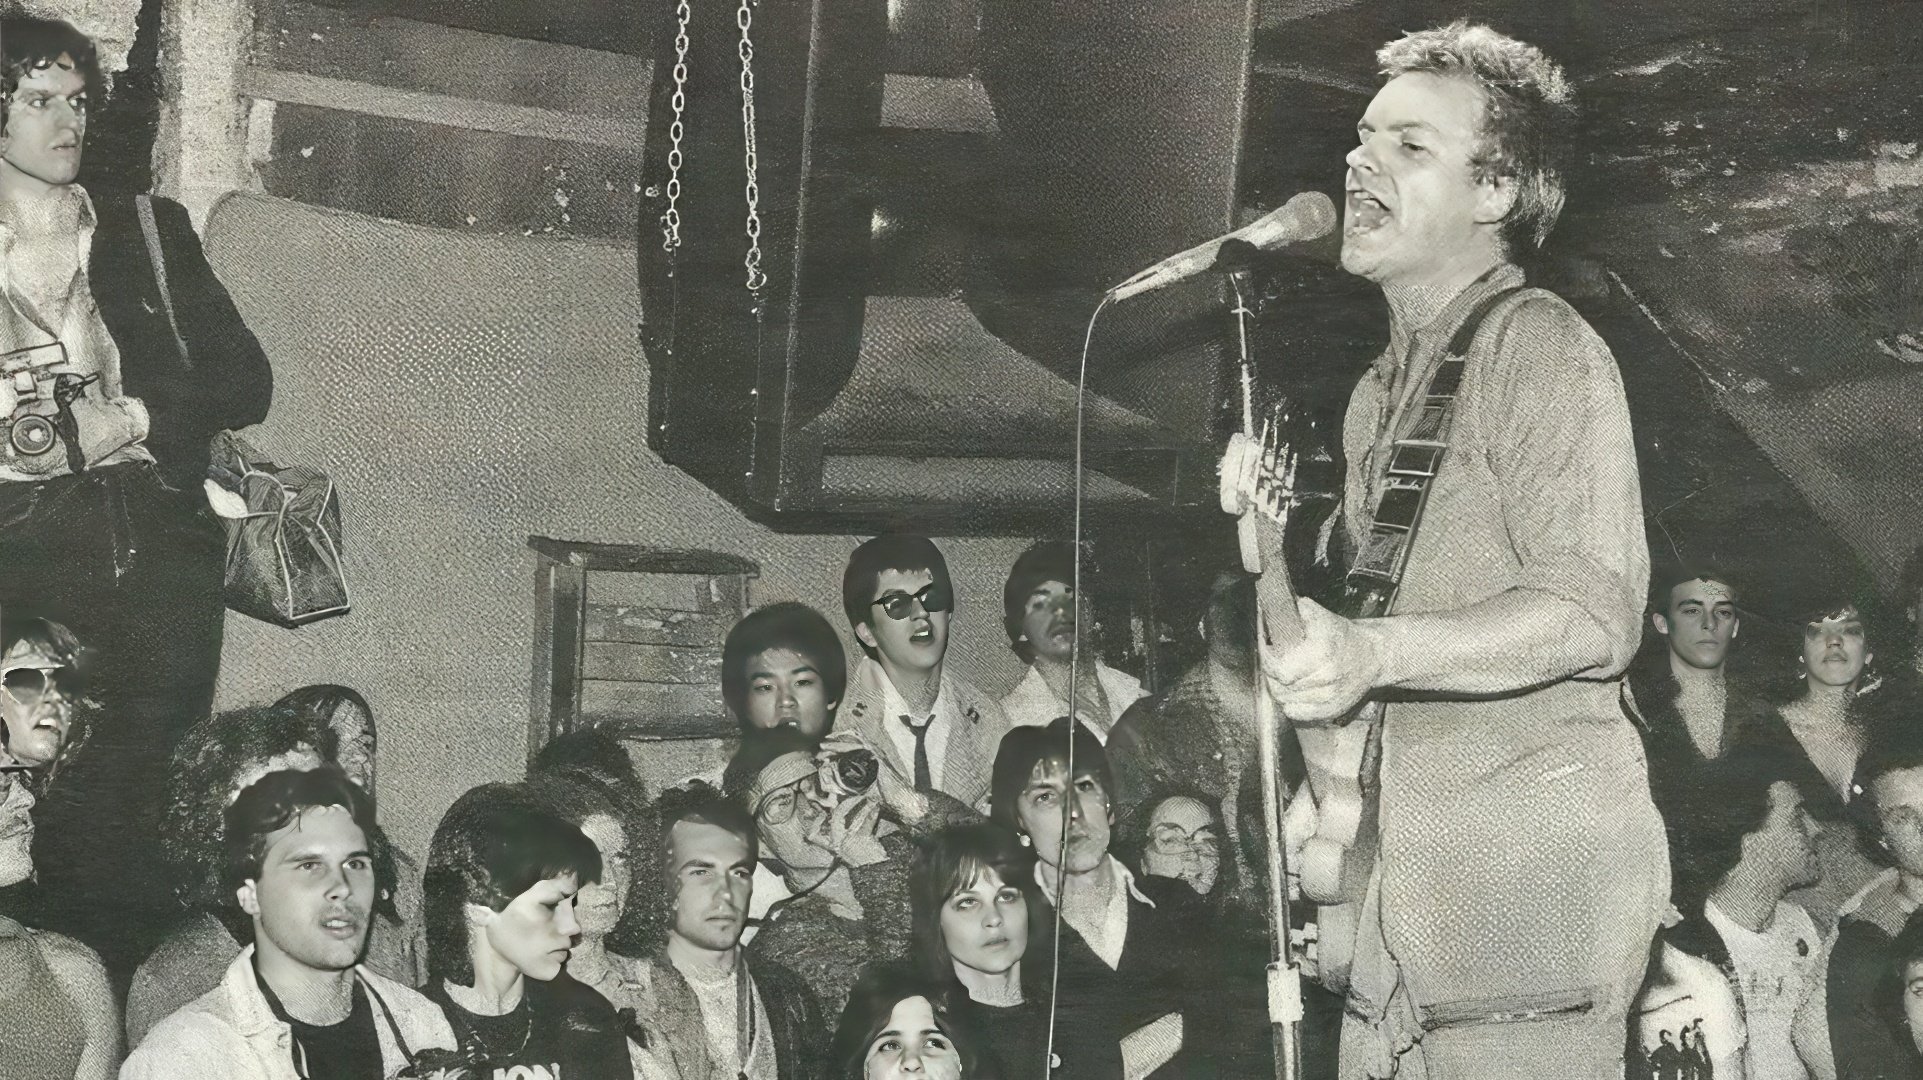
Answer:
(63, 1023)
(39, 690)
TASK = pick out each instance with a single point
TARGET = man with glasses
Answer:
(931, 731)
(845, 868)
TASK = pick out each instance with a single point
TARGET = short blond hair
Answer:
(1528, 113)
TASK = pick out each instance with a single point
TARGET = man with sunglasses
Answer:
(932, 731)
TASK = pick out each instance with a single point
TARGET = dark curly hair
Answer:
(206, 763)
(588, 752)
(271, 803)
(29, 44)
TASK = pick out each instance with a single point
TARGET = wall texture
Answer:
(467, 391)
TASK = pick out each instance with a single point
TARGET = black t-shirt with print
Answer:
(349, 1050)
(561, 1031)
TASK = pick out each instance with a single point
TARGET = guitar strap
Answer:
(1369, 589)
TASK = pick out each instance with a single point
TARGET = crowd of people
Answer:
(1025, 895)
(1680, 873)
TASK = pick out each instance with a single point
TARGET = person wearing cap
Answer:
(1041, 613)
(819, 818)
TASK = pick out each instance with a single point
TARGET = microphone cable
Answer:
(1074, 690)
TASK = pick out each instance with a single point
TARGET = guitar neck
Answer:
(1262, 554)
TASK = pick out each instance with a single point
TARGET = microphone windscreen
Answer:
(1311, 215)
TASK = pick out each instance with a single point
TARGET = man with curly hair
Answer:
(1523, 866)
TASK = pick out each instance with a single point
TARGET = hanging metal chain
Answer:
(671, 220)
(745, 19)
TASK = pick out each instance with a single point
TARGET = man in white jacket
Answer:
(295, 1003)
(1040, 612)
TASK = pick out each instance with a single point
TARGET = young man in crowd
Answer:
(709, 1012)
(1678, 689)
(294, 1003)
(931, 730)
(1890, 812)
(1043, 617)
(1523, 866)
(1749, 842)
(783, 666)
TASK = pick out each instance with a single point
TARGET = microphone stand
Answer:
(1284, 979)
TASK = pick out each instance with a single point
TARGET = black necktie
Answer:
(924, 776)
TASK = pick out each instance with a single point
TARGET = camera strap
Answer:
(775, 909)
(148, 229)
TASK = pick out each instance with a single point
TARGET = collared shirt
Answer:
(112, 427)
(1108, 938)
(940, 718)
(1538, 492)
(1034, 703)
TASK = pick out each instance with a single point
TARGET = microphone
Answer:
(1308, 216)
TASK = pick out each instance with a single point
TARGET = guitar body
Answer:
(1330, 821)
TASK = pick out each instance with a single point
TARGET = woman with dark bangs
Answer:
(899, 1025)
(502, 874)
(1823, 727)
(975, 918)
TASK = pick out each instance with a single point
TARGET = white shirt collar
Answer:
(1114, 868)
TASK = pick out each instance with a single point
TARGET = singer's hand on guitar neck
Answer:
(1326, 674)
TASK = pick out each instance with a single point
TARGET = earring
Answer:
(1022, 838)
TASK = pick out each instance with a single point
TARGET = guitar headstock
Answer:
(1258, 473)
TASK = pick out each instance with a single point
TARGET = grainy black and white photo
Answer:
(961, 539)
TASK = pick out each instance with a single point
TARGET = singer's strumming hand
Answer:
(1327, 673)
